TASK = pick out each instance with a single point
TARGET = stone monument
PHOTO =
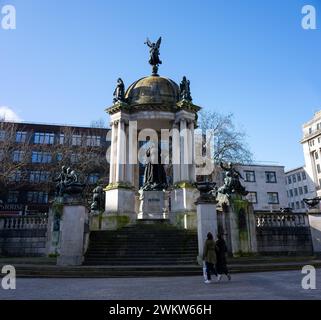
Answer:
(236, 218)
(69, 205)
(152, 194)
(151, 103)
(206, 214)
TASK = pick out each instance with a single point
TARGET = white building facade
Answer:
(299, 186)
(265, 184)
(311, 143)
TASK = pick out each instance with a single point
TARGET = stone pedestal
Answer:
(206, 222)
(72, 235)
(95, 220)
(315, 227)
(183, 209)
(53, 233)
(239, 225)
(152, 205)
(119, 208)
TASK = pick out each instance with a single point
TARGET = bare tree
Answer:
(229, 143)
(23, 163)
(14, 156)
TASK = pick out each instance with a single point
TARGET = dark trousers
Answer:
(210, 269)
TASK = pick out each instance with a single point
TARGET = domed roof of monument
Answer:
(153, 90)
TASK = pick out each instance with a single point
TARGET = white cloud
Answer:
(8, 114)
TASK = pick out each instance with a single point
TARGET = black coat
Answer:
(220, 250)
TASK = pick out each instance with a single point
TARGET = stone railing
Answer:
(19, 223)
(278, 220)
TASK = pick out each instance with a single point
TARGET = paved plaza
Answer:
(262, 285)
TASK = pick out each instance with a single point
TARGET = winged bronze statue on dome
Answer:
(154, 60)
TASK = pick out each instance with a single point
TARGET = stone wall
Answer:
(23, 236)
(283, 234)
(18, 243)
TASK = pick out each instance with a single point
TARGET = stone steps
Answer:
(143, 244)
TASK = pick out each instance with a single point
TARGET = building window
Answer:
(270, 176)
(93, 141)
(291, 193)
(299, 176)
(252, 197)
(37, 197)
(318, 168)
(21, 136)
(74, 158)
(44, 138)
(38, 176)
(294, 178)
(93, 178)
(295, 191)
(18, 156)
(319, 182)
(40, 157)
(302, 205)
(292, 205)
(273, 197)
(305, 189)
(297, 205)
(289, 180)
(249, 176)
(76, 140)
(310, 130)
(61, 138)
(15, 176)
(13, 196)
(304, 176)
(59, 156)
(300, 190)
(316, 155)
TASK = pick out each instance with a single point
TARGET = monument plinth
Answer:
(237, 220)
(206, 215)
(152, 205)
(314, 214)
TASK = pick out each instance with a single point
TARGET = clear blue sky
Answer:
(248, 57)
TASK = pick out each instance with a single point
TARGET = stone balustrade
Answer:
(291, 220)
(19, 223)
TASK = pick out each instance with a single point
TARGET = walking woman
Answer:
(220, 250)
(209, 257)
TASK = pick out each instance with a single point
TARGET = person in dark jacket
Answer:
(209, 257)
(220, 250)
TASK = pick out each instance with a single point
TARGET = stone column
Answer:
(120, 196)
(206, 222)
(129, 158)
(112, 177)
(176, 153)
(121, 151)
(72, 235)
(315, 227)
(184, 150)
(192, 175)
